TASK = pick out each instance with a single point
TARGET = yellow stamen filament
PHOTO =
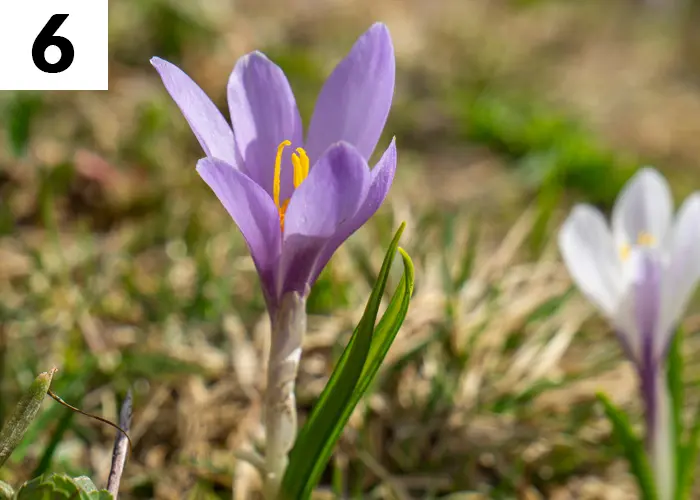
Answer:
(644, 239)
(283, 211)
(300, 162)
(278, 173)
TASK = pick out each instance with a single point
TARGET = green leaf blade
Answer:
(388, 327)
(632, 446)
(352, 375)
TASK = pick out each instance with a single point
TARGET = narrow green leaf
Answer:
(25, 411)
(632, 446)
(674, 380)
(385, 333)
(689, 458)
(338, 478)
(352, 375)
(469, 255)
(388, 327)
(20, 115)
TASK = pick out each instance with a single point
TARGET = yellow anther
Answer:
(625, 251)
(278, 172)
(301, 166)
(300, 162)
(645, 239)
(297, 170)
(304, 163)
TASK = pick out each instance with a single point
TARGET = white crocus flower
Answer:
(640, 273)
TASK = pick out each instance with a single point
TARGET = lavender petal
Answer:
(382, 176)
(593, 261)
(327, 200)
(254, 213)
(206, 121)
(646, 282)
(683, 272)
(354, 103)
(643, 208)
(264, 113)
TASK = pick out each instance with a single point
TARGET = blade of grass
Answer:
(632, 446)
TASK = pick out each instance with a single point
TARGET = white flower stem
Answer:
(288, 327)
(660, 442)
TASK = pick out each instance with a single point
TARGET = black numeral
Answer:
(47, 38)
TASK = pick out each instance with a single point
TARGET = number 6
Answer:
(45, 39)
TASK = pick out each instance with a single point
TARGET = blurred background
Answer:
(120, 267)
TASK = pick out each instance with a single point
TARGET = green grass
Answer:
(120, 268)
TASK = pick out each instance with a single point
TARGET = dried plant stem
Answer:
(121, 445)
(288, 327)
(60, 400)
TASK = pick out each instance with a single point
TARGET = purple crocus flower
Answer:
(640, 275)
(295, 210)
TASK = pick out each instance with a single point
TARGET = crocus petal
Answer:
(264, 113)
(320, 207)
(644, 207)
(646, 277)
(590, 255)
(354, 103)
(638, 316)
(625, 325)
(382, 176)
(683, 270)
(208, 124)
(254, 213)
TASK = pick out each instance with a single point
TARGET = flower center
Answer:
(644, 239)
(300, 161)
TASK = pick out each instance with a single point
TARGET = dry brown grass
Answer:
(490, 384)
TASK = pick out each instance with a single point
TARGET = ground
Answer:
(119, 267)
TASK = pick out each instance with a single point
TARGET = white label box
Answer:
(53, 45)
